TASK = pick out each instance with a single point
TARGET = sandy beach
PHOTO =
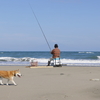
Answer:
(61, 83)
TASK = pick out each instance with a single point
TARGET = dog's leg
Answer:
(7, 82)
(1, 81)
(13, 81)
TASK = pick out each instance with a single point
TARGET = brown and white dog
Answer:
(9, 75)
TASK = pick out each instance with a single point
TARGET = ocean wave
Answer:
(1, 52)
(98, 57)
(86, 52)
(27, 60)
(80, 61)
(44, 60)
(15, 59)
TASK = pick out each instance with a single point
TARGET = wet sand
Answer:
(61, 83)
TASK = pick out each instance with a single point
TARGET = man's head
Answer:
(56, 45)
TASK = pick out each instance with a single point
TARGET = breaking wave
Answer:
(86, 52)
(27, 60)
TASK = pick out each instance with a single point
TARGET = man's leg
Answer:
(49, 61)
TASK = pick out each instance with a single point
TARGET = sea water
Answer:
(71, 58)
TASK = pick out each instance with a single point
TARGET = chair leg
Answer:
(57, 65)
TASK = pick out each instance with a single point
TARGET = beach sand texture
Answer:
(61, 83)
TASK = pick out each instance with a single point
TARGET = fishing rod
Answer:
(40, 27)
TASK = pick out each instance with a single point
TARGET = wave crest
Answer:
(14, 59)
(86, 52)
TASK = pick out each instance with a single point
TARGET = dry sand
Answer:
(61, 83)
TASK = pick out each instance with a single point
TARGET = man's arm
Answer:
(52, 51)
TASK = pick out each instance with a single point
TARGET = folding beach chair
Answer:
(57, 62)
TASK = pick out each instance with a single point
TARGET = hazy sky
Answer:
(73, 24)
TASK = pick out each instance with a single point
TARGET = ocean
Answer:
(71, 58)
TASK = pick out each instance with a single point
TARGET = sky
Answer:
(72, 24)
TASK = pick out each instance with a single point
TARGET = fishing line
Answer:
(40, 27)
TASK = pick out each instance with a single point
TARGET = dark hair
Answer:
(56, 45)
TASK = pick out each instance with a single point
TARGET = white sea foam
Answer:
(26, 61)
(14, 59)
(98, 57)
(80, 61)
(86, 52)
(44, 60)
